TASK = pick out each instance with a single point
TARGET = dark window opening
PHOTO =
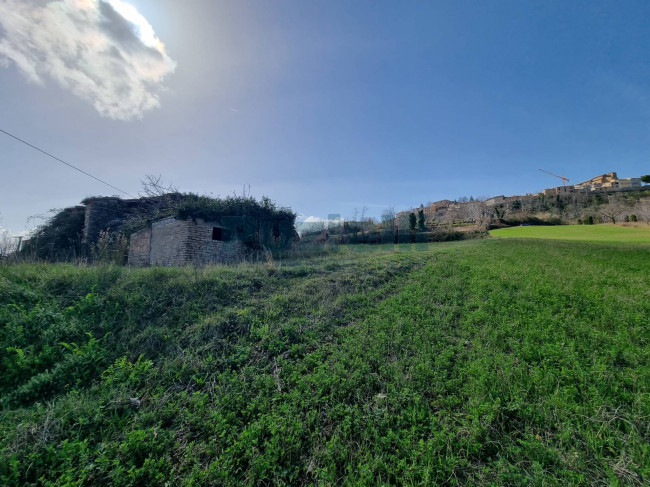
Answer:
(216, 234)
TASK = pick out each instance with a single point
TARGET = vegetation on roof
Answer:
(212, 209)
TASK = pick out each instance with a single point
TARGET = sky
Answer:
(323, 106)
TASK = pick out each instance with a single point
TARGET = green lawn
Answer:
(485, 362)
(595, 233)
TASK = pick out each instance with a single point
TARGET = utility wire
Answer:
(66, 163)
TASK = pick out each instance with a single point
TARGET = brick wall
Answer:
(201, 249)
(169, 240)
(172, 242)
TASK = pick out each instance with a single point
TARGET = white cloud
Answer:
(314, 223)
(318, 219)
(103, 51)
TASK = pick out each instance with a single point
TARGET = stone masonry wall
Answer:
(99, 214)
(140, 248)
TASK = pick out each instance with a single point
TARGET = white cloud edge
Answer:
(89, 49)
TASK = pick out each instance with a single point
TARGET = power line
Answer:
(66, 163)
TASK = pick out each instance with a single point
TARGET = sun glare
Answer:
(144, 31)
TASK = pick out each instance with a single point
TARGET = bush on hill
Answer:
(59, 239)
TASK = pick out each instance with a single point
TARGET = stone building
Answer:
(495, 200)
(599, 182)
(168, 229)
(560, 191)
(624, 184)
(174, 242)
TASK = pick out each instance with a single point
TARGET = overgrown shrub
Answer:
(110, 248)
(59, 238)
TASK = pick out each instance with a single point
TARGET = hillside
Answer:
(622, 234)
(498, 361)
(575, 207)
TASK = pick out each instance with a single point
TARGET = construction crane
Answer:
(564, 180)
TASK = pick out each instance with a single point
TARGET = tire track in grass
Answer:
(455, 379)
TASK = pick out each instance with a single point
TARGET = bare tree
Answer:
(388, 217)
(389, 221)
(643, 210)
(612, 210)
(477, 212)
(364, 210)
(161, 198)
(8, 243)
(364, 221)
(154, 186)
(352, 223)
(450, 216)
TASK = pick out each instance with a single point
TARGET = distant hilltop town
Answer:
(601, 199)
(605, 183)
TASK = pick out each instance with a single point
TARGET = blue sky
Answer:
(323, 106)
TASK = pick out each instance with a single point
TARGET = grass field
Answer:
(490, 362)
(594, 233)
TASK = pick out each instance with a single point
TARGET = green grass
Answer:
(594, 233)
(491, 362)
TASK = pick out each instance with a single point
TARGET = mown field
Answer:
(489, 362)
(596, 233)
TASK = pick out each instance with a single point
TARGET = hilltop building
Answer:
(575, 198)
(594, 184)
(495, 200)
(605, 182)
(560, 191)
(625, 184)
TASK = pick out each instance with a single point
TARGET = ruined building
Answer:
(110, 213)
(172, 229)
(174, 242)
